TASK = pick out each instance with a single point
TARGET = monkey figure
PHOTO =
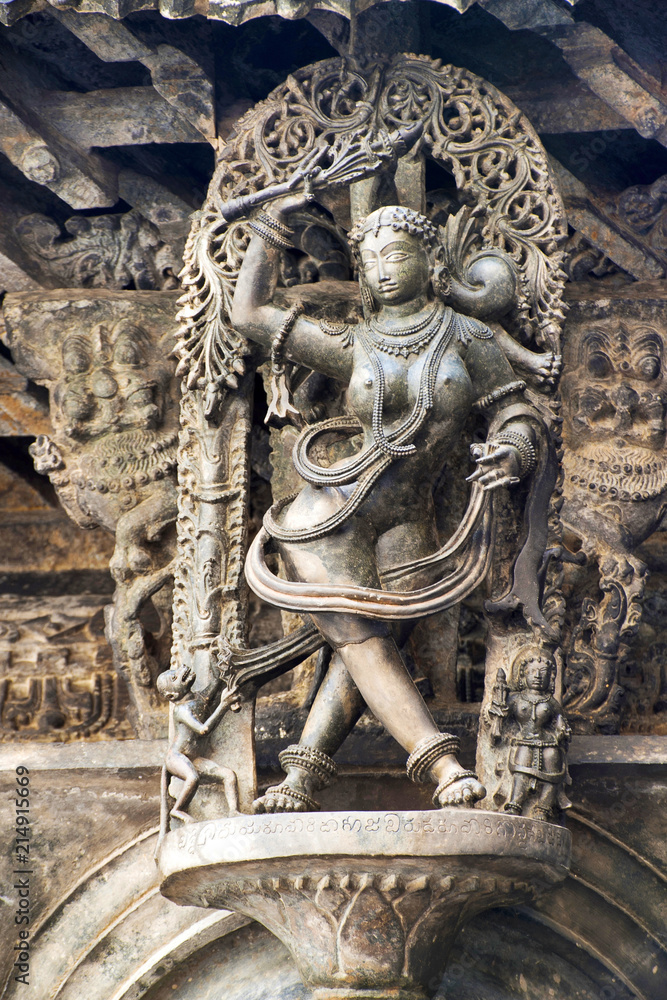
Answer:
(191, 721)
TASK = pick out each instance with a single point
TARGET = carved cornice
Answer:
(231, 11)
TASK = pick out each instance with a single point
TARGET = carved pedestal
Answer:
(368, 903)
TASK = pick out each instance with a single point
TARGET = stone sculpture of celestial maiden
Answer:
(426, 358)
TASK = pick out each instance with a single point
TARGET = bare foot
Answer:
(457, 787)
(282, 798)
(183, 816)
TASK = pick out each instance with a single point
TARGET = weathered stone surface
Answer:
(57, 680)
(105, 251)
(178, 78)
(570, 108)
(21, 412)
(364, 901)
(232, 11)
(602, 932)
(123, 116)
(112, 457)
(614, 484)
(95, 886)
(600, 224)
(614, 77)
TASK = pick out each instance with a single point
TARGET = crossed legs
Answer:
(366, 669)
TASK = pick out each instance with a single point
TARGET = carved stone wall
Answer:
(112, 457)
(111, 117)
(614, 428)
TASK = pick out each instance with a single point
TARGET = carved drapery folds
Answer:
(112, 457)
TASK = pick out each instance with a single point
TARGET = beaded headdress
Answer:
(533, 654)
(394, 217)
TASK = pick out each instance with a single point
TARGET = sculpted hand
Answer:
(548, 367)
(303, 175)
(496, 467)
(282, 207)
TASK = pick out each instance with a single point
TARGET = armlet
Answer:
(343, 330)
(484, 402)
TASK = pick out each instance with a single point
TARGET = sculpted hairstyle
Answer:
(534, 655)
(397, 218)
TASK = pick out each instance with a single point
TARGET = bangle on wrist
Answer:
(271, 236)
(275, 224)
(527, 453)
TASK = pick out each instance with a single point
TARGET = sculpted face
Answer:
(395, 265)
(112, 380)
(538, 675)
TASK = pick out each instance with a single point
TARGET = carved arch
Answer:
(470, 128)
(501, 171)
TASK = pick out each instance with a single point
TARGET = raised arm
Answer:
(255, 316)
(184, 714)
(542, 369)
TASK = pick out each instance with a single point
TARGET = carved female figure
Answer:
(538, 746)
(415, 369)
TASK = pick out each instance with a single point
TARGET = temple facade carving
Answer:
(333, 657)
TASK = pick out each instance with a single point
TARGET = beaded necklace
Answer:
(372, 464)
(406, 340)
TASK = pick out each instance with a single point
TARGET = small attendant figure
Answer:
(537, 750)
(191, 721)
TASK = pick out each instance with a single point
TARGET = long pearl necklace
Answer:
(406, 340)
(426, 386)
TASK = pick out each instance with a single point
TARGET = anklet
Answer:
(291, 793)
(319, 764)
(427, 751)
(451, 781)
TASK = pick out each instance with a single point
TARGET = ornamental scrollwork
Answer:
(470, 128)
(337, 144)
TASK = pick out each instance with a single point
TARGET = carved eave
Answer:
(231, 11)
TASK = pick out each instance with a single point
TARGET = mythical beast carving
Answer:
(615, 480)
(112, 457)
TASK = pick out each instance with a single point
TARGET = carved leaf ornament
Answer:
(470, 129)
